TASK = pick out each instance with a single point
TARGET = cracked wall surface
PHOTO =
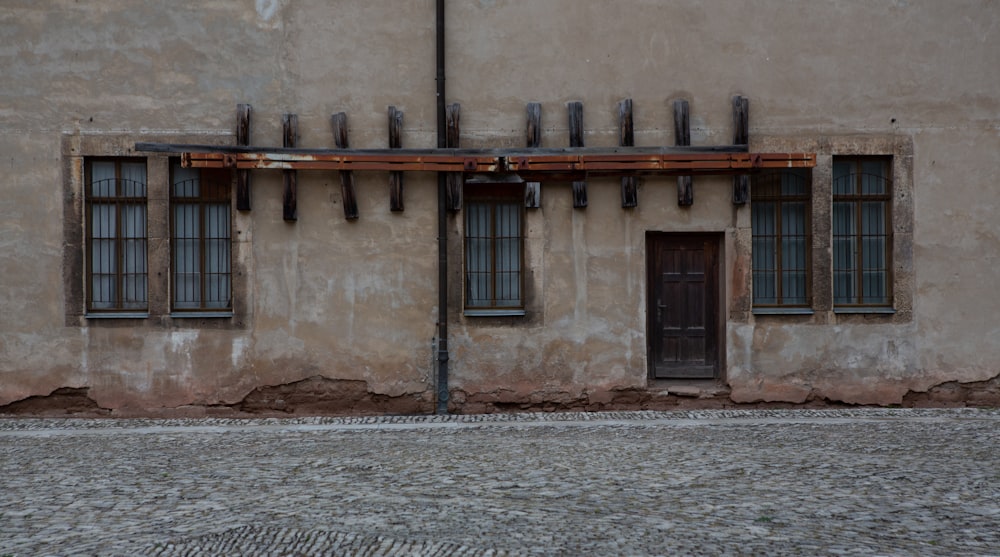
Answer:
(340, 316)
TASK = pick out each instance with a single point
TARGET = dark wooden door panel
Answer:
(683, 290)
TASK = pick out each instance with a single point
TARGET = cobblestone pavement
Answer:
(797, 482)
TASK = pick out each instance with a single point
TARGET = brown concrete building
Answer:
(133, 284)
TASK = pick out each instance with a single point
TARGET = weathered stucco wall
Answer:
(324, 296)
(355, 303)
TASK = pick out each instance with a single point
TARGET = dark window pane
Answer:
(861, 231)
(781, 234)
(493, 248)
(115, 198)
(201, 239)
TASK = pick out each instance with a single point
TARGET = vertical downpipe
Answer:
(442, 142)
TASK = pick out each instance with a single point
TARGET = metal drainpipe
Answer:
(442, 142)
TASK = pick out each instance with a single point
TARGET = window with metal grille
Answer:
(782, 238)
(862, 231)
(115, 199)
(200, 239)
(494, 248)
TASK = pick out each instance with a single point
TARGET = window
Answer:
(128, 246)
(780, 221)
(494, 248)
(115, 198)
(859, 243)
(862, 233)
(201, 260)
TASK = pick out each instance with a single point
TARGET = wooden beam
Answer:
(243, 133)
(626, 138)
(533, 139)
(454, 181)
(338, 123)
(682, 137)
(605, 164)
(576, 140)
(741, 136)
(453, 117)
(290, 135)
(395, 142)
(547, 164)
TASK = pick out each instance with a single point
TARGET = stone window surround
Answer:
(900, 149)
(76, 148)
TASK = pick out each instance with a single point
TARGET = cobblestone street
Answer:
(799, 482)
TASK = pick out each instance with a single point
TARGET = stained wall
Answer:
(335, 303)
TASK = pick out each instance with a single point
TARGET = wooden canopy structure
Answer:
(531, 164)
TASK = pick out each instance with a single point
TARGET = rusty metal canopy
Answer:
(531, 164)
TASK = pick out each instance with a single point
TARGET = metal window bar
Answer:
(494, 246)
(115, 200)
(862, 233)
(201, 240)
(781, 239)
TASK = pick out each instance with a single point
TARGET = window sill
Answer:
(117, 315)
(884, 311)
(201, 314)
(782, 311)
(494, 312)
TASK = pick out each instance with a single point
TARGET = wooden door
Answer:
(683, 306)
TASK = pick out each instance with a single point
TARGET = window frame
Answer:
(494, 195)
(118, 200)
(220, 182)
(858, 198)
(778, 199)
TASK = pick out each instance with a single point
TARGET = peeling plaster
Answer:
(238, 355)
(266, 9)
(182, 343)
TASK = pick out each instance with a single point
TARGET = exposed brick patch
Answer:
(324, 396)
(612, 400)
(62, 401)
(501, 401)
(953, 393)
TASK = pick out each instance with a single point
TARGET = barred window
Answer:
(200, 239)
(115, 199)
(862, 233)
(494, 248)
(780, 215)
